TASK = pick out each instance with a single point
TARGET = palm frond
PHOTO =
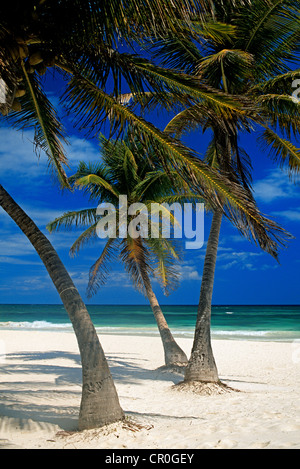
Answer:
(93, 102)
(187, 85)
(95, 180)
(177, 52)
(276, 26)
(201, 116)
(89, 235)
(201, 178)
(68, 220)
(281, 84)
(214, 31)
(228, 69)
(38, 113)
(281, 150)
(135, 257)
(166, 266)
(282, 112)
(151, 180)
(99, 271)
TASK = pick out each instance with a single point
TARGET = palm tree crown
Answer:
(124, 171)
(249, 52)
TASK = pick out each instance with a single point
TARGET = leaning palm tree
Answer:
(35, 36)
(249, 51)
(125, 172)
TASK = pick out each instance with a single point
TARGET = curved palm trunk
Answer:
(174, 355)
(99, 400)
(201, 366)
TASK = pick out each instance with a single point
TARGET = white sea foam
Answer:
(240, 332)
(153, 331)
(34, 325)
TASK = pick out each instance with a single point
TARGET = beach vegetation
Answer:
(75, 39)
(248, 51)
(79, 40)
(127, 171)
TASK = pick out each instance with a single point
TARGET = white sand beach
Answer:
(40, 391)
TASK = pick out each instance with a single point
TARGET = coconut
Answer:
(19, 93)
(36, 58)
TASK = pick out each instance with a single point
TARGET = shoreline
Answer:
(230, 322)
(40, 385)
(216, 334)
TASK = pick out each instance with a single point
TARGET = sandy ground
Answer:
(40, 390)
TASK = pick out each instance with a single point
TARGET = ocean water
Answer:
(276, 323)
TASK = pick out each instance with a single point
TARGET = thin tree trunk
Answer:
(202, 366)
(99, 400)
(174, 355)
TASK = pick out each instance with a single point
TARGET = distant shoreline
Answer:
(245, 322)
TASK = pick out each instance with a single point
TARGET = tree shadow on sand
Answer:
(48, 381)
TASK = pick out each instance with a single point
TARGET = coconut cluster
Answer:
(31, 56)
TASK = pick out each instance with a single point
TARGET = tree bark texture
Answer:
(99, 401)
(201, 365)
(174, 355)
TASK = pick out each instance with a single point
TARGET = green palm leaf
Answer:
(166, 267)
(90, 234)
(99, 271)
(280, 84)
(38, 113)
(79, 218)
(95, 180)
(136, 259)
(281, 112)
(281, 150)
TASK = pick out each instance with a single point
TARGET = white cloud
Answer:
(15, 245)
(276, 185)
(18, 158)
(28, 284)
(17, 261)
(188, 271)
(291, 215)
(81, 149)
(17, 154)
(243, 260)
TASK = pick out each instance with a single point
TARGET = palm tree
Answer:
(242, 51)
(124, 171)
(35, 36)
(85, 51)
(99, 403)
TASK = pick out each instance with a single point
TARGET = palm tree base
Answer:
(89, 421)
(204, 388)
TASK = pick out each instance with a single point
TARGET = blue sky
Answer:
(244, 273)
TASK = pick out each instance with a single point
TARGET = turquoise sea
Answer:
(251, 322)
